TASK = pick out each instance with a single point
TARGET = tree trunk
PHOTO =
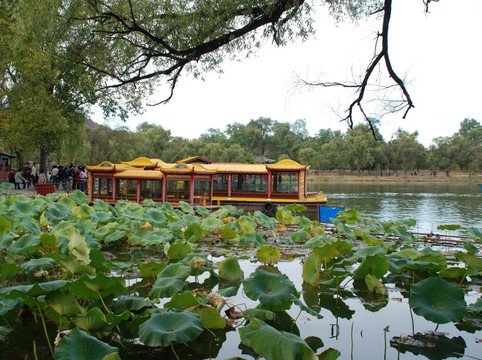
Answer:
(44, 158)
(19, 159)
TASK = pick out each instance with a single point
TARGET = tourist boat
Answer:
(199, 181)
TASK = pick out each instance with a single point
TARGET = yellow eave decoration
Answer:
(179, 168)
(238, 168)
(104, 166)
(202, 169)
(141, 162)
(286, 165)
(139, 174)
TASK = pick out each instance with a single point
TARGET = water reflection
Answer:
(430, 204)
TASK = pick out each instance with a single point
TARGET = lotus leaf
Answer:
(318, 240)
(363, 252)
(56, 212)
(284, 216)
(228, 233)
(268, 254)
(329, 354)
(375, 285)
(211, 224)
(26, 226)
(255, 239)
(115, 236)
(300, 235)
(221, 213)
(437, 300)
(67, 201)
(34, 289)
(25, 209)
(403, 234)
(303, 223)
(271, 289)
(471, 260)
(170, 280)
(345, 231)
(273, 344)
(311, 269)
(79, 346)
(350, 216)
(209, 316)
(75, 267)
(24, 245)
(246, 225)
(132, 303)
(4, 225)
(182, 301)
(474, 234)
(326, 253)
(296, 208)
(202, 211)
(88, 287)
(64, 304)
(93, 321)
(77, 245)
(37, 264)
(101, 217)
(156, 218)
(162, 329)
(179, 250)
(264, 220)
(376, 265)
(6, 240)
(4, 330)
(229, 269)
(151, 268)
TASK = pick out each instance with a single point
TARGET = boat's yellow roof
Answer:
(104, 166)
(286, 165)
(238, 168)
(141, 162)
(139, 174)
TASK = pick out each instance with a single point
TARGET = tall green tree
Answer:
(407, 152)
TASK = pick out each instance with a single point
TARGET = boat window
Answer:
(254, 183)
(157, 190)
(146, 189)
(178, 190)
(126, 189)
(220, 182)
(284, 183)
(102, 187)
(202, 191)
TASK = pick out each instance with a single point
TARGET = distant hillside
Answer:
(92, 124)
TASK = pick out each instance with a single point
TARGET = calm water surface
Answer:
(430, 204)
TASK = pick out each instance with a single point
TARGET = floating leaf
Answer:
(179, 250)
(474, 234)
(271, 289)
(437, 300)
(273, 344)
(151, 269)
(77, 345)
(209, 317)
(182, 301)
(268, 254)
(229, 269)
(373, 264)
(300, 235)
(162, 329)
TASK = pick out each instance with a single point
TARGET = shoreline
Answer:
(456, 178)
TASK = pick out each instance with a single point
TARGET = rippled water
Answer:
(430, 204)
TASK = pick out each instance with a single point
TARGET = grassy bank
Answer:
(455, 178)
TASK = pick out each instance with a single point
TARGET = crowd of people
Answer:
(66, 178)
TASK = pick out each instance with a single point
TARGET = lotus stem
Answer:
(351, 340)
(463, 277)
(413, 323)
(35, 350)
(174, 351)
(103, 303)
(45, 330)
(436, 327)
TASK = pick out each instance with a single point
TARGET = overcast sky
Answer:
(439, 53)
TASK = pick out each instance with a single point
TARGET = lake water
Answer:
(430, 204)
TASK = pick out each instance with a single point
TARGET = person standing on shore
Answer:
(42, 178)
(19, 180)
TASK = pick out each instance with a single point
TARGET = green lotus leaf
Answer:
(350, 216)
(453, 273)
(261, 314)
(185, 207)
(76, 267)
(285, 217)
(26, 226)
(79, 197)
(82, 212)
(300, 235)
(326, 253)
(202, 211)
(246, 225)
(100, 206)
(303, 223)
(79, 346)
(296, 208)
(64, 304)
(151, 269)
(470, 247)
(229, 269)
(474, 234)
(375, 285)
(178, 327)
(182, 301)
(37, 264)
(101, 217)
(477, 306)
(449, 227)
(186, 220)
(4, 330)
(211, 224)
(89, 287)
(437, 300)
(77, 245)
(471, 260)
(199, 263)
(34, 289)
(345, 231)
(4, 225)
(24, 245)
(179, 250)
(264, 220)
(363, 252)
(25, 209)
(255, 239)
(93, 320)
(115, 236)
(228, 233)
(6, 239)
(209, 316)
(156, 218)
(403, 234)
(7, 305)
(329, 354)
(311, 269)
(56, 212)
(373, 264)
(273, 344)
(132, 303)
(268, 254)
(271, 289)
(170, 280)
(101, 232)
(157, 237)
(7, 186)
(220, 213)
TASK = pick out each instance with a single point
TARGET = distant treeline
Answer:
(355, 150)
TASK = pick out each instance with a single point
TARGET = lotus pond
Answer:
(80, 281)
